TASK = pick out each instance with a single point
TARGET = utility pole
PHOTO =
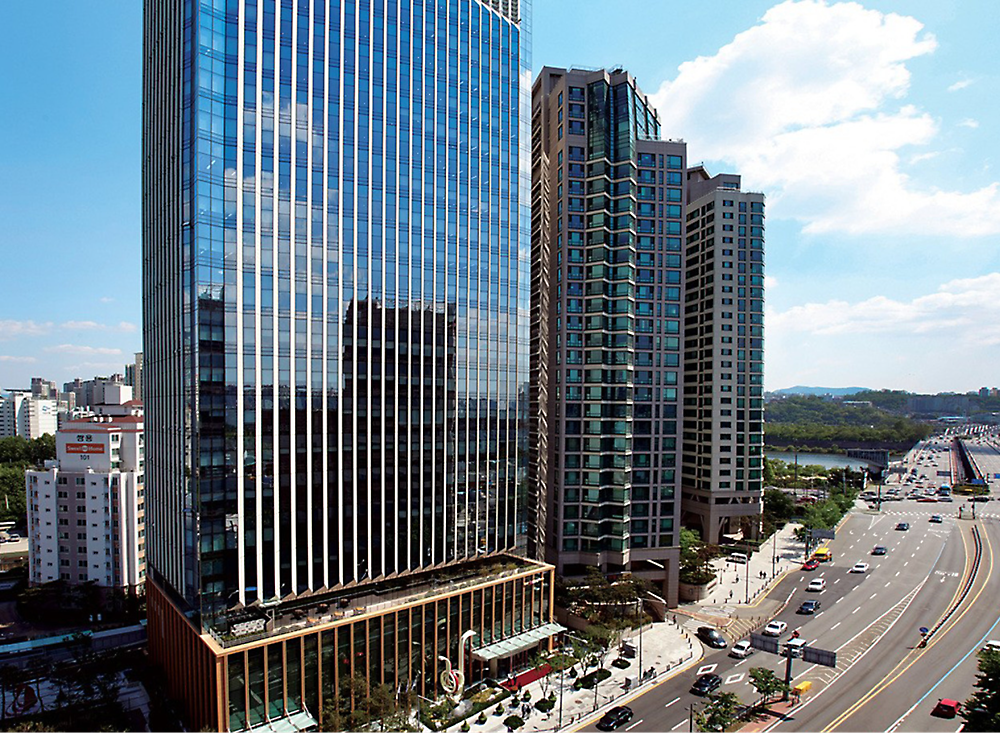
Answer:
(691, 718)
(774, 550)
(788, 674)
(562, 668)
(641, 619)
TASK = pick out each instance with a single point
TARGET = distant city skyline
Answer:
(867, 125)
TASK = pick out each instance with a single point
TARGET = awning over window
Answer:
(517, 643)
(292, 723)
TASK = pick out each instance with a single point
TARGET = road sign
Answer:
(764, 643)
(819, 656)
(823, 534)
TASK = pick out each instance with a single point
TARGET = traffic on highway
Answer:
(905, 595)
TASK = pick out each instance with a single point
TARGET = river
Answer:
(827, 460)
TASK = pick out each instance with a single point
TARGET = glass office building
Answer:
(335, 280)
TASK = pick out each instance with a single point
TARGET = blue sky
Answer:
(870, 126)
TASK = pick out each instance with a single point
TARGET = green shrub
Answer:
(466, 727)
(513, 722)
(621, 663)
(545, 705)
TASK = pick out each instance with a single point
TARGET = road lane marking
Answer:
(820, 614)
(894, 675)
(707, 668)
(887, 584)
(634, 724)
(898, 572)
(872, 595)
(734, 678)
(855, 610)
(679, 725)
(906, 563)
(671, 702)
(836, 581)
(838, 600)
(836, 625)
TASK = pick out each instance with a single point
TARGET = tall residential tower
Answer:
(723, 447)
(335, 245)
(608, 200)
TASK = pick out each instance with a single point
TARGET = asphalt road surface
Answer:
(930, 577)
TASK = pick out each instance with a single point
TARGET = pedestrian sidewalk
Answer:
(666, 647)
(740, 602)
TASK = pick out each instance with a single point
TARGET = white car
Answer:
(775, 628)
(817, 585)
(859, 567)
(741, 649)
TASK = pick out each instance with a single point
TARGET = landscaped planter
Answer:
(687, 592)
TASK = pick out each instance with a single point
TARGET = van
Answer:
(738, 557)
(823, 554)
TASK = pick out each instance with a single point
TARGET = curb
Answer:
(642, 689)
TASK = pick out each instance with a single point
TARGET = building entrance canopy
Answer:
(518, 643)
(292, 723)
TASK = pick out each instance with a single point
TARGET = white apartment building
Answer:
(27, 415)
(86, 508)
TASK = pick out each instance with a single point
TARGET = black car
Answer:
(706, 684)
(809, 607)
(903, 526)
(711, 637)
(615, 718)
(878, 550)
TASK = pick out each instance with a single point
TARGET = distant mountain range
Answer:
(820, 391)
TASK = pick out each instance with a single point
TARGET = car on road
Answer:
(879, 550)
(946, 499)
(808, 607)
(980, 498)
(775, 628)
(817, 585)
(935, 519)
(711, 637)
(741, 649)
(859, 567)
(946, 708)
(903, 526)
(615, 718)
(706, 684)
(811, 564)
(927, 500)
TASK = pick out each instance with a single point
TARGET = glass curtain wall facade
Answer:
(722, 472)
(335, 253)
(607, 291)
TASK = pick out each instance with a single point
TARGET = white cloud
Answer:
(18, 359)
(960, 84)
(805, 105)
(122, 326)
(13, 329)
(923, 156)
(886, 342)
(969, 122)
(967, 311)
(107, 299)
(89, 350)
(770, 282)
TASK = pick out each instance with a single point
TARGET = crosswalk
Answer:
(945, 513)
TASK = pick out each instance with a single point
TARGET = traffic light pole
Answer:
(788, 675)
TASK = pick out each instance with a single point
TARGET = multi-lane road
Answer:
(941, 576)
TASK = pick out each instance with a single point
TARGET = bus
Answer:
(823, 554)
